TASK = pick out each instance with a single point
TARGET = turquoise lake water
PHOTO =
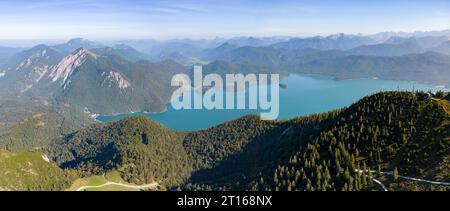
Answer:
(304, 94)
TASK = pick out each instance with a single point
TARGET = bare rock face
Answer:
(117, 78)
(64, 69)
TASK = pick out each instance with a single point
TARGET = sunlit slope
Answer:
(30, 171)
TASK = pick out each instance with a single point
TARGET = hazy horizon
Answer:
(31, 42)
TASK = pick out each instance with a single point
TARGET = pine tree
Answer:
(395, 174)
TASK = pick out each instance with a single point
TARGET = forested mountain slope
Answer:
(404, 62)
(42, 128)
(386, 131)
(141, 150)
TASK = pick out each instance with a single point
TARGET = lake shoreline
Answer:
(305, 94)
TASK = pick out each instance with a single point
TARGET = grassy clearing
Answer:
(113, 176)
(87, 181)
(112, 188)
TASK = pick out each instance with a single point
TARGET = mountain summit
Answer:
(77, 43)
(65, 68)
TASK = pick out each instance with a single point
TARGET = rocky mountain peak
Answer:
(64, 69)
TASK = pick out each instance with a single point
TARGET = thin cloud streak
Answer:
(209, 18)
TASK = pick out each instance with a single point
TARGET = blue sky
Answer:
(167, 19)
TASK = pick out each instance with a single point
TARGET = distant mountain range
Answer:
(387, 49)
(121, 78)
(8, 52)
(121, 50)
(421, 59)
(77, 43)
(443, 48)
(383, 36)
(338, 42)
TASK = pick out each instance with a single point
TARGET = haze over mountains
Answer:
(101, 78)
